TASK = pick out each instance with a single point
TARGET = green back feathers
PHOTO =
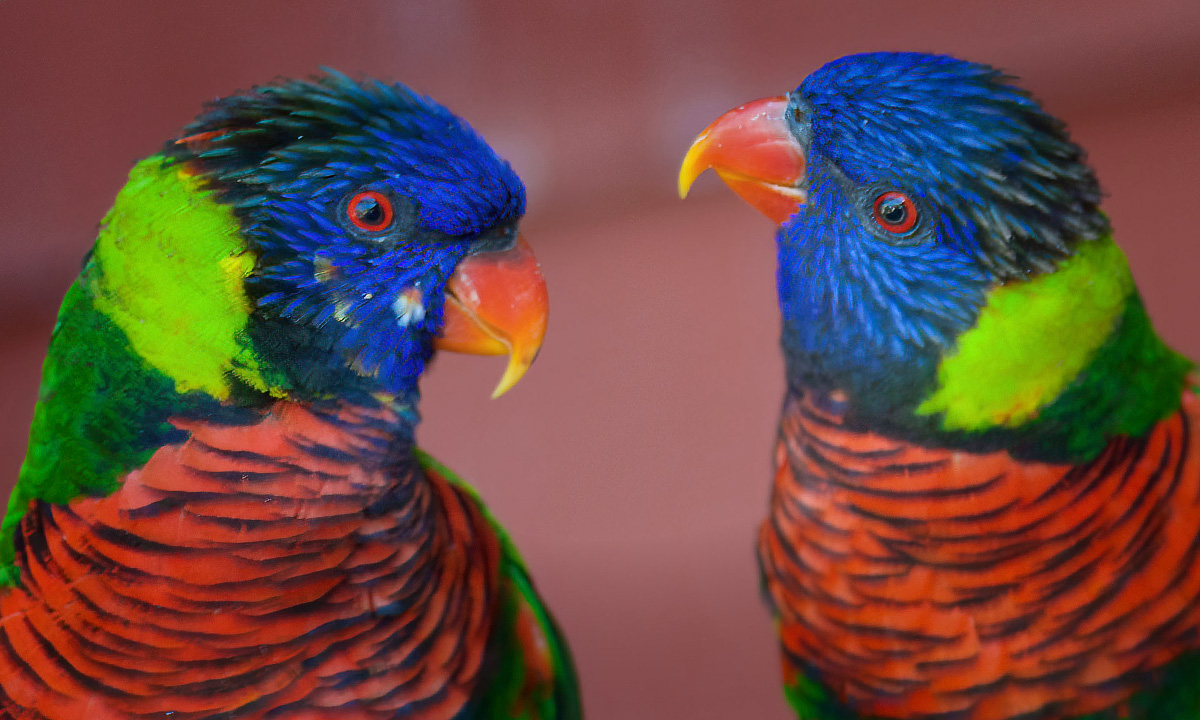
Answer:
(1060, 363)
(1132, 382)
(151, 328)
(509, 693)
(813, 701)
(506, 695)
(88, 427)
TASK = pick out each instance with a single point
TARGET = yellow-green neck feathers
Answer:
(1058, 365)
(1031, 339)
(170, 266)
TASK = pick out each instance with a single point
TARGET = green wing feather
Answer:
(508, 695)
(88, 429)
(165, 273)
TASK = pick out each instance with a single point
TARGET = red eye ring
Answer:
(895, 212)
(370, 210)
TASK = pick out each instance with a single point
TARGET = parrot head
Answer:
(908, 187)
(381, 228)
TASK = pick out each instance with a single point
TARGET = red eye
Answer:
(370, 211)
(895, 212)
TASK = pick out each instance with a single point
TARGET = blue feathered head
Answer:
(359, 201)
(907, 186)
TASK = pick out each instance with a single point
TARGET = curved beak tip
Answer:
(693, 165)
(518, 365)
(496, 304)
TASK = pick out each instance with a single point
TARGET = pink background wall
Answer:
(632, 463)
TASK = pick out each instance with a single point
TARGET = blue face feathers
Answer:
(929, 181)
(964, 138)
(359, 199)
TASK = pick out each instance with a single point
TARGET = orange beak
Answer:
(496, 304)
(753, 150)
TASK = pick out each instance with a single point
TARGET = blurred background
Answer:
(632, 463)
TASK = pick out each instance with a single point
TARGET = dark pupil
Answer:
(369, 211)
(893, 211)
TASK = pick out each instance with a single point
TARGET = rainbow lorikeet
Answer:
(222, 513)
(986, 503)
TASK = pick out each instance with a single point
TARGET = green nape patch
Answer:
(101, 412)
(171, 270)
(1132, 382)
(1031, 340)
(153, 327)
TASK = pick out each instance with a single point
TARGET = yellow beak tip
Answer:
(692, 167)
(512, 374)
(502, 388)
(506, 383)
(685, 184)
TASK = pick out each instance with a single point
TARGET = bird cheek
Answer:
(409, 307)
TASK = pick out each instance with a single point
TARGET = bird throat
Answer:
(290, 567)
(918, 582)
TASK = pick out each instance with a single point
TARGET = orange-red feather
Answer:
(254, 569)
(916, 582)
